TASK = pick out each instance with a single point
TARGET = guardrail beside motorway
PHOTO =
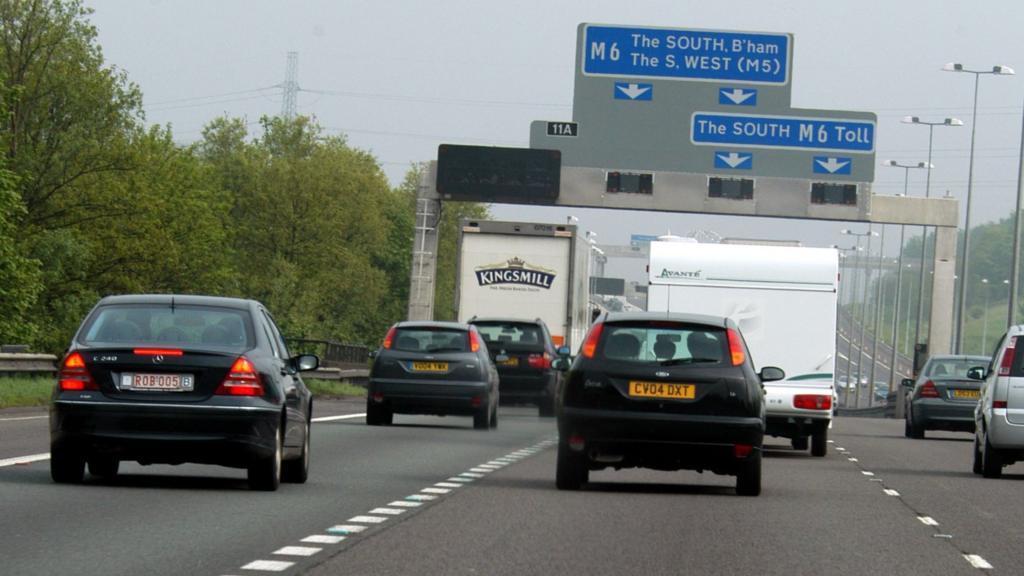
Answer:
(333, 354)
(19, 364)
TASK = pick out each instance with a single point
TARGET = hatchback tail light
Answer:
(1007, 362)
(541, 361)
(736, 347)
(389, 338)
(812, 401)
(74, 375)
(929, 390)
(242, 380)
(474, 341)
(590, 343)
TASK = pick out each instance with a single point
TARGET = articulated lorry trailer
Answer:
(525, 270)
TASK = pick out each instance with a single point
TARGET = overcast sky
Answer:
(399, 78)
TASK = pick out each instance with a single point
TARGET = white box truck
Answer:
(525, 270)
(784, 300)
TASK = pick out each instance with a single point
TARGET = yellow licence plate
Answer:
(430, 366)
(973, 394)
(511, 361)
(662, 390)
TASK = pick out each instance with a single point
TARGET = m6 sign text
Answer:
(713, 129)
(673, 54)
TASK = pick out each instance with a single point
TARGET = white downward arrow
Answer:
(737, 96)
(733, 159)
(633, 91)
(832, 164)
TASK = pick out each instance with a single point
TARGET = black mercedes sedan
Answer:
(439, 368)
(662, 391)
(169, 379)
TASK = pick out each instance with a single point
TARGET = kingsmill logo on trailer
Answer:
(515, 271)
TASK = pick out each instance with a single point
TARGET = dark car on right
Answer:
(942, 397)
(522, 350)
(662, 391)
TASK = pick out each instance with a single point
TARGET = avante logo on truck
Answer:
(515, 271)
(666, 273)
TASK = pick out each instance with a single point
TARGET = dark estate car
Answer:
(663, 391)
(169, 379)
(526, 352)
(943, 397)
(433, 368)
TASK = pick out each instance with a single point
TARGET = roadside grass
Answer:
(334, 388)
(20, 391)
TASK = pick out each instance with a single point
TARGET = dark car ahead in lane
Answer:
(663, 391)
(440, 368)
(168, 379)
(943, 397)
(525, 368)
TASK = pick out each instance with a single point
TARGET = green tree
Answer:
(19, 276)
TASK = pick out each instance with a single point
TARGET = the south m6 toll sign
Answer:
(701, 55)
(795, 133)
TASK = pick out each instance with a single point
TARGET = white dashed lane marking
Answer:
(890, 492)
(346, 529)
(322, 539)
(269, 565)
(421, 497)
(405, 504)
(978, 562)
(448, 485)
(368, 519)
(927, 521)
(297, 551)
(388, 511)
(20, 418)
(866, 473)
(341, 417)
(24, 460)
(436, 490)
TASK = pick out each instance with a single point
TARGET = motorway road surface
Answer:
(496, 510)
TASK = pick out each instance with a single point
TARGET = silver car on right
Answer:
(999, 415)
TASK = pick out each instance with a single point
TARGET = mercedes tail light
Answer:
(1007, 362)
(389, 338)
(812, 401)
(929, 390)
(590, 343)
(242, 380)
(74, 375)
(736, 347)
(540, 361)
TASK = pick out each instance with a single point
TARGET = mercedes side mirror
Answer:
(977, 373)
(306, 362)
(907, 382)
(771, 374)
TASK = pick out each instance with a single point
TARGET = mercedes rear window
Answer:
(151, 324)
(503, 333)
(952, 368)
(430, 340)
(664, 343)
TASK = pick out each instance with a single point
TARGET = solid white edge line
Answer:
(341, 417)
(24, 459)
(20, 418)
(269, 565)
(978, 562)
(305, 551)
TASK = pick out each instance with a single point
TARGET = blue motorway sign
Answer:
(795, 133)
(673, 54)
(633, 91)
(832, 165)
(635, 239)
(734, 160)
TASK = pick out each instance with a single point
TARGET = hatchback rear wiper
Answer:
(678, 361)
(444, 349)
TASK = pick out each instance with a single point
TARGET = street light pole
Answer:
(1011, 316)
(864, 310)
(964, 261)
(984, 323)
(878, 318)
(922, 287)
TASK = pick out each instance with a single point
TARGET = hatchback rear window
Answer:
(164, 325)
(664, 343)
(430, 340)
(525, 333)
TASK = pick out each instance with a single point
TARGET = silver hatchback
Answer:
(999, 416)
